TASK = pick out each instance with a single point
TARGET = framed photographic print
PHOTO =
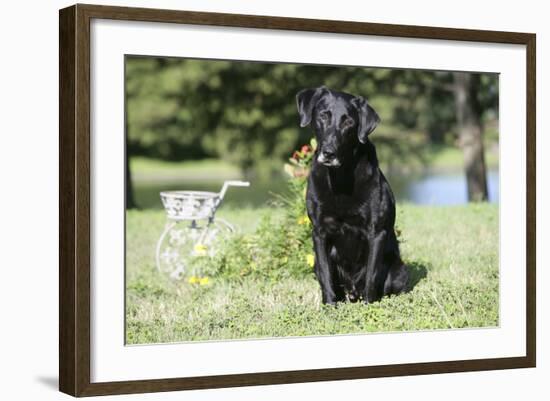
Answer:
(250, 200)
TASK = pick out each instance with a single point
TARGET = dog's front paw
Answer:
(353, 296)
(370, 296)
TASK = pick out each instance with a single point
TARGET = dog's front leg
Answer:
(376, 246)
(324, 270)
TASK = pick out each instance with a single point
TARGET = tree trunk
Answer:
(130, 202)
(470, 130)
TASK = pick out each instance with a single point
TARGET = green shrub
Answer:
(281, 246)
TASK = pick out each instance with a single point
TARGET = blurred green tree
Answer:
(245, 112)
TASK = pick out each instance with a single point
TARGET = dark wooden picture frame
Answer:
(74, 200)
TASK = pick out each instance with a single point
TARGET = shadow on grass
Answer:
(417, 272)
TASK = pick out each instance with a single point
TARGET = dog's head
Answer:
(340, 122)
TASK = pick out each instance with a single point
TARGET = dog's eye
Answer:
(347, 123)
(324, 116)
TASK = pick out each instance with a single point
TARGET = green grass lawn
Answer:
(452, 253)
(147, 169)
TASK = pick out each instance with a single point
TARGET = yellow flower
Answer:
(200, 249)
(198, 280)
(310, 259)
(303, 220)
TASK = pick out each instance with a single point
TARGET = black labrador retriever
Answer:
(349, 201)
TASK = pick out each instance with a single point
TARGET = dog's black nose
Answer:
(328, 154)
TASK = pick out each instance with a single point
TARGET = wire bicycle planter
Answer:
(192, 229)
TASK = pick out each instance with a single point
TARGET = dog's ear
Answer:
(368, 118)
(306, 100)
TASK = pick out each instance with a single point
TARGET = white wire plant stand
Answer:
(192, 229)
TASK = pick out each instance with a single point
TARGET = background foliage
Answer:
(245, 113)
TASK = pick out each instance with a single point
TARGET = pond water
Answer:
(439, 188)
(429, 188)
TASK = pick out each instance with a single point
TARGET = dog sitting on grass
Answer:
(349, 201)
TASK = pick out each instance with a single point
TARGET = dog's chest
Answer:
(343, 215)
(341, 201)
(346, 231)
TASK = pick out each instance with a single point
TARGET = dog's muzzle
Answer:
(328, 159)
